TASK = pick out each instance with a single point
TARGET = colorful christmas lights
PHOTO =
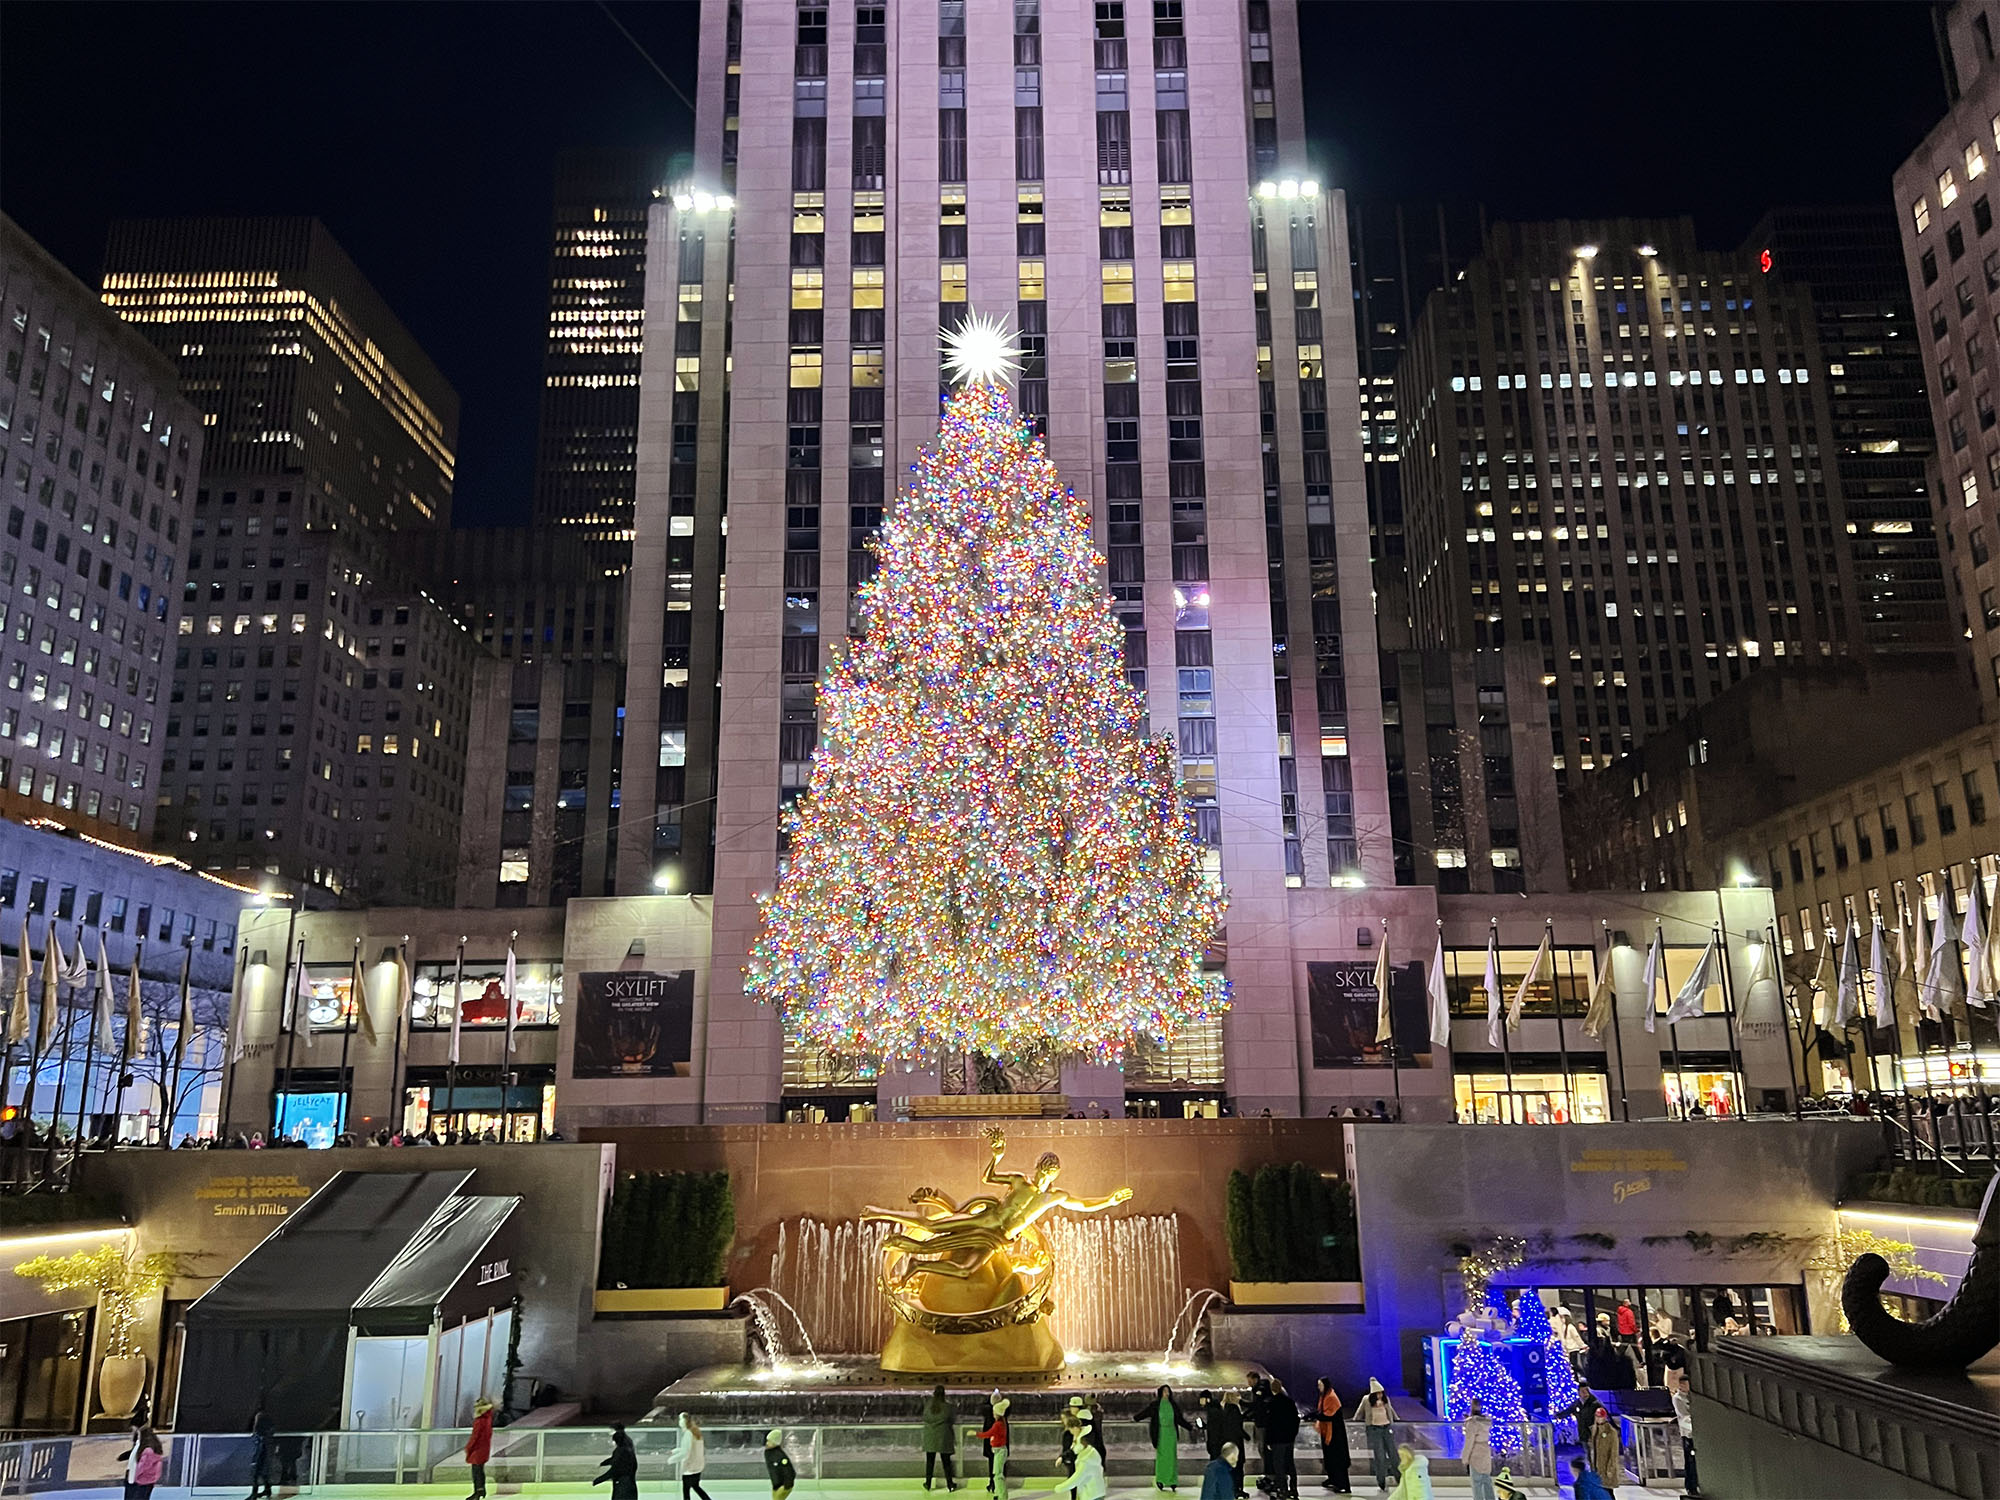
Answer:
(1531, 1321)
(1478, 1374)
(993, 855)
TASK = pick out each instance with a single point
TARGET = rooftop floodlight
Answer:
(1309, 189)
(724, 202)
(1586, 252)
(703, 202)
(1267, 190)
(1289, 188)
(683, 201)
(1649, 250)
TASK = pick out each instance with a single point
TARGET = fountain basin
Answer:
(857, 1390)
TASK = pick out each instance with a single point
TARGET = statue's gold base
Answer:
(1017, 1349)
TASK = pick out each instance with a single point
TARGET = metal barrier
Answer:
(572, 1456)
(1654, 1447)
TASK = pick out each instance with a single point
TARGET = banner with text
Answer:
(634, 1024)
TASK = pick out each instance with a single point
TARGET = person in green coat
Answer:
(1164, 1425)
(940, 1438)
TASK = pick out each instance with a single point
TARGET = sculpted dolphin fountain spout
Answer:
(1959, 1333)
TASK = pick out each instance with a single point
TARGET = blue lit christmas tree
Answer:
(1531, 1322)
(1478, 1374)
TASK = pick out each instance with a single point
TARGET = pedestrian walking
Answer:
(1332, 1429)
(1087, 1483)
(1281, 1441)
(262, 1455)
(479, 1446)
(778, 1464)
(995, 1438)
(145, 1462)
(940, 1438)
(690, 1458)
(1164, 1425)
(1606, 1453)
(1477, 1450)
(1414, 1477)
(1377, 1421)
(1229, 1427)
(1218, 1481)
(1684, 1415)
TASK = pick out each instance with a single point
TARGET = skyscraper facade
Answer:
(1617, 448)
(1851, 261)
(585, 462)
(101, 461)
(1168, 280)
(317, 729)
(1951, 254)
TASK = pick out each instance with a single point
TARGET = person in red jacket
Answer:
(479, 1446)
(1628, 1320)
(995, 1437)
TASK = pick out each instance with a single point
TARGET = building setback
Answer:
(101, 460)
(318, 728)
(1616, 448)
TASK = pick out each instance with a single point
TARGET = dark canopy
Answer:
(459, 1253)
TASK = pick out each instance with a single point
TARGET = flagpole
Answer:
(451, 1074)
(405, 986)
(1506, 1051)
(172, 1106)
(62, 1067)
(89, 1059)
(292, 1001)
(1673, 1027)
(1395, 1058)
(1895, 1021)
(1784, 1027)
(354, 998)
(1562, 1042)
(1617, 1029)
(1729, 1013)
(239, 1006)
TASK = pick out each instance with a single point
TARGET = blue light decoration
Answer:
(1478, 1372)
(1560, 1391)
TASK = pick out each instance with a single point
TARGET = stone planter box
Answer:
(1296, 1293)
(662, 1299)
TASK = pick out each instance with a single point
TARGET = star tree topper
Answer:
(982, 350)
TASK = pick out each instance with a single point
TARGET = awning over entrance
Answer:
(460, 1262)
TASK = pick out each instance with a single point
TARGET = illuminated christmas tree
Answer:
(993, 855)
(1531, 1321)
(1478, 1374)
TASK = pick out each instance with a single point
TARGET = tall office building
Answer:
(1401, 253)
(101, 458)
(1168, 280)
(1618, 448)
(585, 463)
(318, 721)
(1851, 261)
(1951, 255)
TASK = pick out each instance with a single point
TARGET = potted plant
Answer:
(667, 1238)
(123, 1282)
(1292, 1238)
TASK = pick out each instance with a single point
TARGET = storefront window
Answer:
(537, 994)
(311, 1117)
(1531, 1098)
(1680, 965)
(1567, 977)
(1714, 1090)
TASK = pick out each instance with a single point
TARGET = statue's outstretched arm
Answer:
(1093, 1205)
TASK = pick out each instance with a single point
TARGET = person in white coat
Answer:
(1088, 1482)
(691, 1457)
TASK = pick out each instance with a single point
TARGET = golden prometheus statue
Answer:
(972, 1282)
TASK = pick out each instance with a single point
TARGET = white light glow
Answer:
(1648, 250)
(683, 201)
(1586, 252)
(981, 351)
(1267, 190)
(703, 202)
(1309, 189)
(1289, 188)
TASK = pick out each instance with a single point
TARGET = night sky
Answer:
(425, 135)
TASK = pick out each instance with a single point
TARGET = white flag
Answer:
(1882, 975)
(52, 964)
(1649, 981)
(18, 1019)
(1847, 981)
(135, 1013)
(1440, 1000)
(507, 988)
(1385, 1031)
(1543, 958)
(1920, 953)
(103, 1038)
(302, 998)
(1492, 983)
(1978, 962)
(76, 968)
(358, 988)
(1603, 1001)
(1944, 980)
(457, 1000)
(185, 1021)
(237, 1000)
(1694, 994)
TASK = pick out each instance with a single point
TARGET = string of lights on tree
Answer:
(1531, 1322)
(993, 855)
(1477, 1374)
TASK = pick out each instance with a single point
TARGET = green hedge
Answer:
(1920, 1189)
(1291, 1223)
(666, 1229)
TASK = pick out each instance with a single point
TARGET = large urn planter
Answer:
(1296, 1293)
(120, 1381)
(662, 1299)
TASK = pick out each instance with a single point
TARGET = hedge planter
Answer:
(663, 1299)
(1296, 1293)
